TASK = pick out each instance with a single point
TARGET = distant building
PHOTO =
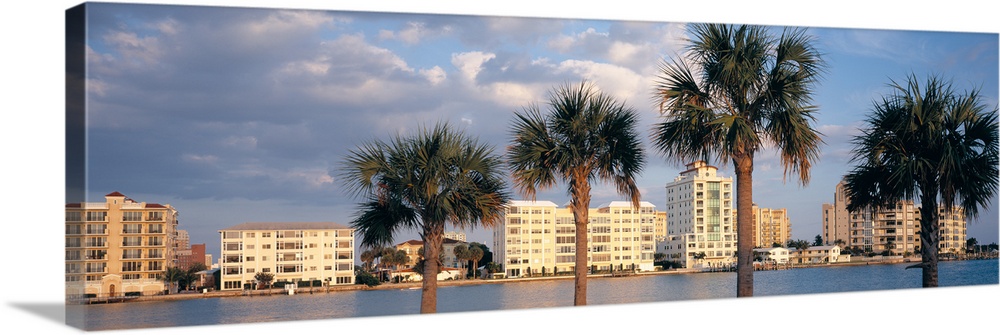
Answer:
(539, 236)
(777, 255)
(819, 255)
(409, 275)
(455, 235)
(291, 251)
(118, 247)
(895, 230)
(194, 255)
(701, 225)
(770, 226)
(412, 249)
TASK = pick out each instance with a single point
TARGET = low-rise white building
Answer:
(819, 255)
(777, 255)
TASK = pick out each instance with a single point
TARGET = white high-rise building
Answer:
(701, 225)
(540, 237)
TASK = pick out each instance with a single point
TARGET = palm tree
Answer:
(368, 258)
(475, 254)
(587, 136)
(421, 182)
(744, 90)
(929, 143)
(172, 276)
(461, 252)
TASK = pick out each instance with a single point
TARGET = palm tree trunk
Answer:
(929, 236)
(432, 243)
(744, 225)
(580, 204)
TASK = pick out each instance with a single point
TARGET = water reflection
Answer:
(520, 295)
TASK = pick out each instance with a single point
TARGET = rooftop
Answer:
(287, 225)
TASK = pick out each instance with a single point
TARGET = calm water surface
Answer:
(488, 297)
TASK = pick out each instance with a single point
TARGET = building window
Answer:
(132, 228)
(97, 216)
(131, 266)
(131, 216)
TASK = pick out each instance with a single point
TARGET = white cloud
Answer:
(240, 142)
(205, 159)
(135, 50)
(612, 79)
(285, 21)
(470, 63)
(435, 75)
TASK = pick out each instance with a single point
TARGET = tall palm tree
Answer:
(421, 182)
(930, 143)
(461, 252)
(475, 254)
(737, 91)
(172, 276)
(586, 137)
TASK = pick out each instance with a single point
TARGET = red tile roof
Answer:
(114, 194)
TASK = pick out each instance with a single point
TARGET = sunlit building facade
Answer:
(894, 230)
(539, 237)
(770, 226)
(701, 225)
(292, 252)
(118, 247)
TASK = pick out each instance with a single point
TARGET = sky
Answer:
(245, 131)
(246, 114)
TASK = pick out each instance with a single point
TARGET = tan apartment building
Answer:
(291, 251)
(701, 224)
(412, 249)
(770, 226)
(118, 247)
(540, 237)
(895, 229)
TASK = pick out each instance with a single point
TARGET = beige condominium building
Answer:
(540, 237)
(118, 247)
(412, 249)
(294, 252)
(701, 225)
(895, 230)
(770, 226)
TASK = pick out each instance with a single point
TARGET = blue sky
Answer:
(33, 130)
(240, 114)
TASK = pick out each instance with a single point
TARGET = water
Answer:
(486, 297)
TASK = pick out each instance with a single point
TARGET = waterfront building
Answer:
(412, 249)
(312, 252)
(836, 219)
(660, 226)
(410, 275)
(118, 247)
(701, 225)
(776, 255)
(539, 237)
(819, 255)
(894, 230)
(770, 226)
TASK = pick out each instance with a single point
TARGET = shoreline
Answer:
(445, 283)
